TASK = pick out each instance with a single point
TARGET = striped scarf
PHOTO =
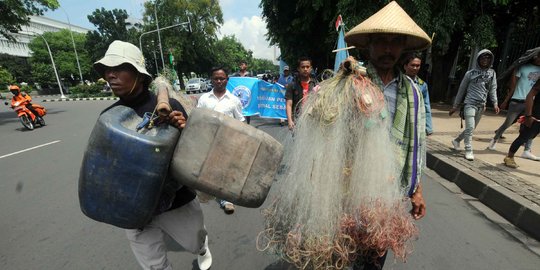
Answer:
(408, 129)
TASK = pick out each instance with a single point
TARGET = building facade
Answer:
(38, 24)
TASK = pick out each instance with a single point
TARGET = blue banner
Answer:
(259, 97)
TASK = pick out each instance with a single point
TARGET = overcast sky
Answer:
(242, 18)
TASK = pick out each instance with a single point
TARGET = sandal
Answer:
(510, 162)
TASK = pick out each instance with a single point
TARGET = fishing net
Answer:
(339, 195)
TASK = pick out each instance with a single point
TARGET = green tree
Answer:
(63, 54)
(458, 26)
(303, 28)
(231, 52)
(17, 66)
(15, 13)
(5, 78)
(263, 65)
(111, 25)
(193, 50)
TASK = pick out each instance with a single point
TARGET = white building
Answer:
(38, 24)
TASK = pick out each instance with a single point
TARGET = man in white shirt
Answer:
(223, 101)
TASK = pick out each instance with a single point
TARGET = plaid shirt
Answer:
(405, 105)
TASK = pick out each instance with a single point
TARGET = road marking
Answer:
(28, 149)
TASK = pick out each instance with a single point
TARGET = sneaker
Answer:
(510, 162)
(492, 144)
(529, 155)
(228, 208)
(204, 260)
(456, 145)
(469, 155)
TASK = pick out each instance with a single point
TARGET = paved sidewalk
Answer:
(513, 193)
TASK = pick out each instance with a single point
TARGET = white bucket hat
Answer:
(120, 52)
(391, 19)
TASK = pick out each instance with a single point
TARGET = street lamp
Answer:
(54, 66)
(159, 29)
(158, 34)
(74, 48)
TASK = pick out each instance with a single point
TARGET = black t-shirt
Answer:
(146, 102)
(295, 92)
(536, 102)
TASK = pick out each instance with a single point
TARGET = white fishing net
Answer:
(339, 195)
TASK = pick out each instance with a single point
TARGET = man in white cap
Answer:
(178, 215)
(386, 35)
(286, 77)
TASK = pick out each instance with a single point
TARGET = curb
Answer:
(521, 212)
(78, 99)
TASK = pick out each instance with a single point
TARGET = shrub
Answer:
(5, 79)
(83, 91)
(26, 88)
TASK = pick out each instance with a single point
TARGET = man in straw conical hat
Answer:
(385, 36)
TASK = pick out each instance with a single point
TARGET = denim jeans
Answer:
(473, 114)
(514, 110)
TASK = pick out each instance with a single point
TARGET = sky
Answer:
(241, 18)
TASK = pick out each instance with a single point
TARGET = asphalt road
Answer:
(43, 227)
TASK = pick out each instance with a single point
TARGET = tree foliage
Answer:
(263, 66)
(15, 13)
(5, 78)
(63, 54)
(111, 25)
(193, 50)
(231, 52)
(17, 66)
(302, 27)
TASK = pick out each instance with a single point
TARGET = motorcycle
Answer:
(28, 119)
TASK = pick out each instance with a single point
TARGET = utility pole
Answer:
(159, 35)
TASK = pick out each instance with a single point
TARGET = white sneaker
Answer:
(456, 145)
(469, 155)
(529, 155)
(205, 260)
(492, 144)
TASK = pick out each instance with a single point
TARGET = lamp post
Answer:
(74, 48)
(158, 34)
(153, 31)
(54, 66)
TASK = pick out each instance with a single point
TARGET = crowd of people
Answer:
(406, 112)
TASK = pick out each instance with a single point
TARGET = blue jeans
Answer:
(473, 114)
(514, 110)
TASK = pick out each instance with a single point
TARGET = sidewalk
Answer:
(513, 193)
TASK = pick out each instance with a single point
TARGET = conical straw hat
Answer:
(391, 19)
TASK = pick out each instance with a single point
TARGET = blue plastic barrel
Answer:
(123, 171)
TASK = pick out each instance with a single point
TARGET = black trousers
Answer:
(525, 133)
(367, 264)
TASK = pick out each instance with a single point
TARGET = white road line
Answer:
(28, 149)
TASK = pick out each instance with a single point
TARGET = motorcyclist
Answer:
(19, 96)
